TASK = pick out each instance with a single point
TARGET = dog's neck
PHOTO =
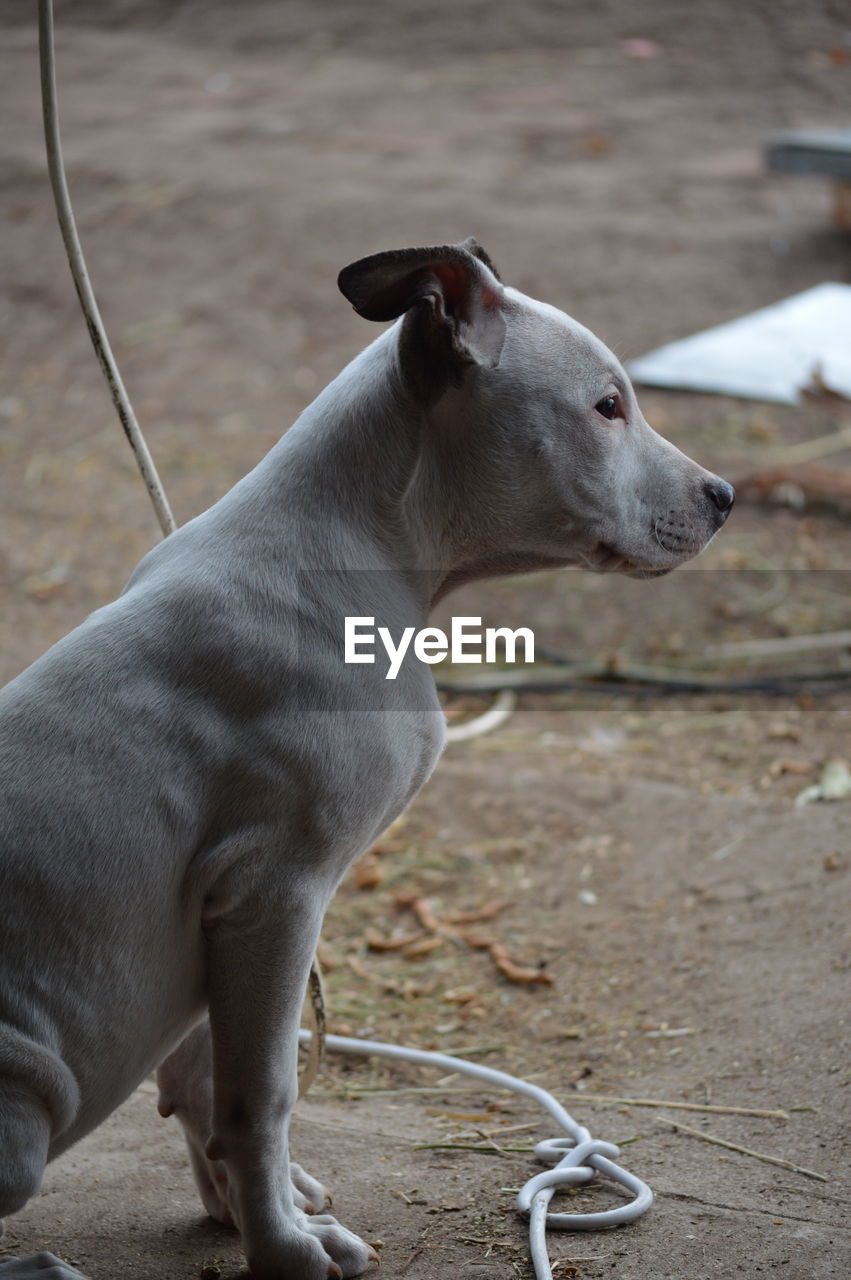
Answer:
(402, 480)
(369, 478)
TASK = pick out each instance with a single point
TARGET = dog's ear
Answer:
(457, 283)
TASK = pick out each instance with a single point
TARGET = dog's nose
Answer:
(722, 494)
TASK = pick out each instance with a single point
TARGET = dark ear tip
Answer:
(356, 281)
(384, 285)
(473, 247)
(346, 282)
(354, 287)
(362, 284)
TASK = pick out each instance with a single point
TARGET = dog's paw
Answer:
(38, 1266)
(346, 1251)
(308, 1194)
(317, 1249)
(351, 1255)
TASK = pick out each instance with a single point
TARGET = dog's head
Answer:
(542, 419)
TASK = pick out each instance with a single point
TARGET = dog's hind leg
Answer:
(25, 1131)
(185, 1081)
(26, 1127)
(39, 1100)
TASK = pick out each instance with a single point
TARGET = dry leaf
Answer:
(488, 911)
(476, 941)
(426, 916)
(422, 947)
(328, 958)
(462, 995)
(778, 767)
(396, 942)
(514, 972)
(368, 872)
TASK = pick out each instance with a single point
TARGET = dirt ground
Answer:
(225, 161)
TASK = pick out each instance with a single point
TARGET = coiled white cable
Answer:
(577, 1158)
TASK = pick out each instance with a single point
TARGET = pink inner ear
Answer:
(489, 297)
(460, 291)
(455, 282)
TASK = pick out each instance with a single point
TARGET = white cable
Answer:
(577, 1158)
(489, 720)
(80, 274)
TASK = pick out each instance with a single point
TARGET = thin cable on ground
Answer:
(630, 681)
(80, 273)
(577, 1158)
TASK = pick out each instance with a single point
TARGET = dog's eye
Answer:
(608, 407)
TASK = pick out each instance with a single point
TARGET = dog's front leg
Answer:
(259, 961)
(185, 1081)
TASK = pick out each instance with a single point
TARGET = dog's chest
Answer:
(370, 770)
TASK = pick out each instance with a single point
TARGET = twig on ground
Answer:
(376, 1091)
(406, 1264)
(745, 1151)
(686, 1106)
(490, 1147)
(509, 1128)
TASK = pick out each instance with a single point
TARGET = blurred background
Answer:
(225, 161)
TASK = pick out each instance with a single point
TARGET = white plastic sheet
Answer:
(772, 354)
